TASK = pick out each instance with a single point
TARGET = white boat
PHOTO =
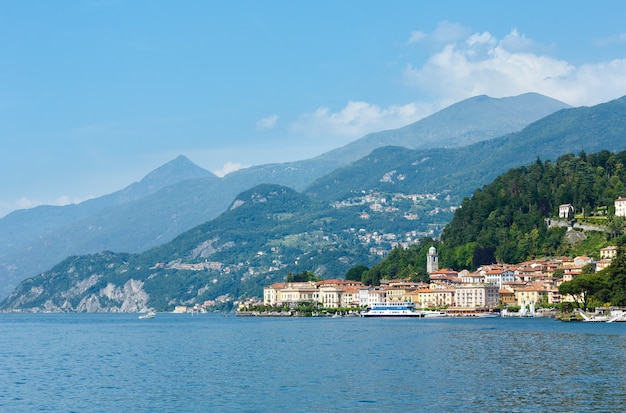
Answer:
(393, 309)
(149, 314)
(433, 314)
(488, 315)
(614, 316)
(617, 316)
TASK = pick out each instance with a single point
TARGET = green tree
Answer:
(356, 273)
(583, 287)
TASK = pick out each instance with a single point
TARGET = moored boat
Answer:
(488, 315)
(433, 314)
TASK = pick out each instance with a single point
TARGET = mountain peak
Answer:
(176, 170)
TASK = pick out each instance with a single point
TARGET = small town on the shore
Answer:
(529, 289)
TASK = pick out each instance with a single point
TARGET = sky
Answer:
(95, 94)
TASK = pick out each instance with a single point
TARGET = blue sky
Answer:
(96, 94)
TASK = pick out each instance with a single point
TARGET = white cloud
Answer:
(417, 36)
(357, 119)
(607, 41)
(228, 168)
(466, 64)
(445, 32)
(508, 67)
(267, 123)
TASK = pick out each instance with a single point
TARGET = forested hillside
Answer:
(505, 219)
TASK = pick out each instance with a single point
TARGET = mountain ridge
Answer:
(126, 221)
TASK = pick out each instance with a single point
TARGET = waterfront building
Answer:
(290, 293)
(395, 293)
(442, 297)
(270, 293)
(532, 294)
(330, 296)
(376, 295)
(477, 295)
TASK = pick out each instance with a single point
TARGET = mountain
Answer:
(180, 195)
(458, 171)
(34, 239)
(267, 231)
(469, 121)
(355, 215)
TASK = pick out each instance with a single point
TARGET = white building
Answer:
(620, 207)
(499, 277)
(432, 260)
(566, 211)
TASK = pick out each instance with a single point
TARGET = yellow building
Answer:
(531, 294)
(507, 297)
(290, 293)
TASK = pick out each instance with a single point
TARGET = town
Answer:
(525, 286)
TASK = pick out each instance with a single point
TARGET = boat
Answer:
(148, 315)
(617, 316)
(614, 316)
(434, 314)
(488, 315)
(393, 309)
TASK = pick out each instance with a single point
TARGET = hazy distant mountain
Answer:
(33, 239)
(469, 121)
(180, 195)
(26, 224)
(461, 170)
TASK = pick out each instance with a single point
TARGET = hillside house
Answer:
(566, 211)
(620, 207)
(608, 253)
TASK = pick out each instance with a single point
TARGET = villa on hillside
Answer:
(566, 211)
(620, 207)
(609, 252)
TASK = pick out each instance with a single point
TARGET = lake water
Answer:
(211, 363)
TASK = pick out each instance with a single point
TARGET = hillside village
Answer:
(367, 205)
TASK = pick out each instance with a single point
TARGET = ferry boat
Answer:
(393, 309)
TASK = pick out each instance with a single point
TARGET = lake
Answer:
(211, 363)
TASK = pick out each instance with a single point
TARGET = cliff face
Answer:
(81, 285)
(127, 298)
